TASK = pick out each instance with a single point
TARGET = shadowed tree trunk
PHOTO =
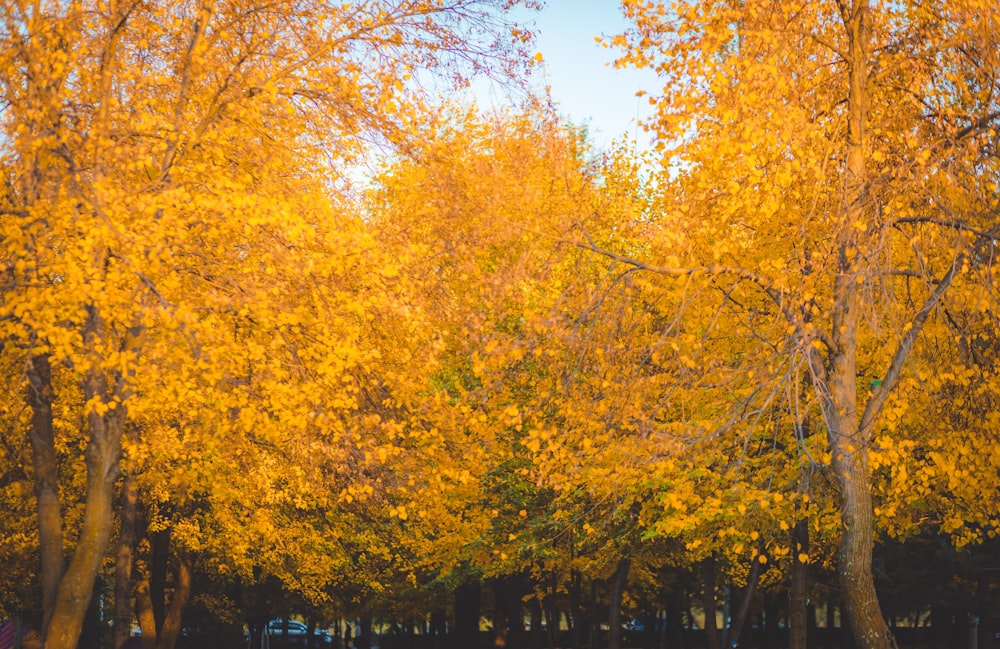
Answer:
(50, 530)
(616, 588)
(746, 598)
(467, 605)
(799, 589)
(123, 561)
(713, 638)
(537, 637)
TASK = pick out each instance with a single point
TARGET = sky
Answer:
(586, 87)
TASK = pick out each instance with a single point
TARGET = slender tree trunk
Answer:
(552, 615)
(576, 605)
(173, 616)
(713, 639)
(123, 561)
(50, 526)
(798, 592)
(515, 615)
(537, 637)
(616, 588)
(438, 622)
(673, 631)
(143, 593)
(467, 605)
(743, 610)
(365, 639)
(501, 614)
(849, 443)
(160, 543)
(102, 456)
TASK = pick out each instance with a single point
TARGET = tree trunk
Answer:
(143, 593)
(513, 608)
(537, 638)
(365, 637)
(170, 628)
(576, 606)
(123, 561)
(102, 456)
(552, 614)
(616, 588)
(159, 542)
(467, 604)
(848, 441)
(50, 527)
(501, 614)
(438, 623)
(673, 624)
(736, 626)
(713, 639)
(799, 589)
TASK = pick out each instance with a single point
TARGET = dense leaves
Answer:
(503, 358)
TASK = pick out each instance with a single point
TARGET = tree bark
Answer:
(159, 543)
(365, 636)
(713, 639)
(467, 604)
(50, 528)
(576, 606)
(102, 456)
(170, 629)
(515, 616)
(739, 619)
(144, 608)
(848, 440)
(799, 589)
(537, 637)
(123, 561)
(616, 588)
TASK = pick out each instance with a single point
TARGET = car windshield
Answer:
(293, 626)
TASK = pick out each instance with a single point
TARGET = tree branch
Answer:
(881, 392)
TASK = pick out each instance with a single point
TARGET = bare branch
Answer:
(881, 392)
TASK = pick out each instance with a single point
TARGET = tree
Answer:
(838, 160)
(144, 184)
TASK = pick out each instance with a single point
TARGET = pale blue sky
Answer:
(586, 87)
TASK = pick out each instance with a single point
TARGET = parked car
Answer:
(298, 633)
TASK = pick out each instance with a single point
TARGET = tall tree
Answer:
(138, 142)
(835, 157)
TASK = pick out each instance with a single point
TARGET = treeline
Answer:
(744, 383)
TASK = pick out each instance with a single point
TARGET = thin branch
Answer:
(946, 223)
(892, 374)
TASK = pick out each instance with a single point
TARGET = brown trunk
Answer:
(537, 638)
(50, 529)
(713, 639)
(848, 442)
(736, 626)
(798, 592)
(615, 590)
(365, 635)
(467, 603)
(552, 614)
(515, 617)
(576, 605)
(173, 615)
(500, 613)
(144, 606)
(102, 456)
(159, 542)
(123, 561)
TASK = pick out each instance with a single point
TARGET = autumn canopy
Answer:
(288, 331)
